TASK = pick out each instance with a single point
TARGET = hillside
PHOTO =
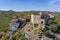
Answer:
(6, 16)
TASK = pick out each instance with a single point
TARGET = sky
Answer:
(30, 5)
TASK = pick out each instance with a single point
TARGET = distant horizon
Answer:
(29, 10)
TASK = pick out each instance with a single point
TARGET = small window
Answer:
(41, 22)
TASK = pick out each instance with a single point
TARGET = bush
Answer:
(5, 38)
(23, 38)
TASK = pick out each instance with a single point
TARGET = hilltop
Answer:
(6, 16)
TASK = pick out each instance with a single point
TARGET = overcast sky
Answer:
(29, 5)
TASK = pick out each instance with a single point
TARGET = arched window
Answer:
(41, 22)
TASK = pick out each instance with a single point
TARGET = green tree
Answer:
(57, 39)
(40, 29)
(53, 28)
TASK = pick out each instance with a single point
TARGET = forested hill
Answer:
(14, 12)
(56, 13)
(6, 16)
